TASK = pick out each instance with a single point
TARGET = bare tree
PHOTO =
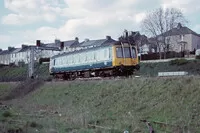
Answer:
(158, 23)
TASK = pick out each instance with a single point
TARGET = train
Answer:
(117, 59)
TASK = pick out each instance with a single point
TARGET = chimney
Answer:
(57, 42)
(108, 37)
(125, 34)
(179, 26)
(38, 44)
(87, 40)
(61, 45)
(10, 48)
(76, 39)
(24, 46)
(131, 33)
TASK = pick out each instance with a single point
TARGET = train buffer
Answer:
(177, 73)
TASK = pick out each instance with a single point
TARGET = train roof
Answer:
(81, 50)
(89, 49)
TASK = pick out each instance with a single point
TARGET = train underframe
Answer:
(108, 72)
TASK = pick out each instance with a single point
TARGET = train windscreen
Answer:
(134, 53)
(123, 52)
(119, 52)
(127, 52)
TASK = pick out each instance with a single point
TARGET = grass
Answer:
(116, 105)
(13, 73)
(5, 88)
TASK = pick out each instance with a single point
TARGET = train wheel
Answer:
(65, 77)
(86, 74)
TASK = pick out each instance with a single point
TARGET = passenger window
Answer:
(94, 56)
(65, 59)
(62, 59)
(79, 58)
(109, 51)
(72, 59)
(89, 56)
(86, 57)
(105, 53)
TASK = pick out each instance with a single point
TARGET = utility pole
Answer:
(34, 56)
(31, 63)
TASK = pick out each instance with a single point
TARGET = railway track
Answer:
(96, 78)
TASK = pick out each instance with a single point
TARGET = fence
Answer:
(154, 56)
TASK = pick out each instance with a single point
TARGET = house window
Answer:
(182, 37)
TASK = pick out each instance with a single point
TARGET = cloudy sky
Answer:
(24, 21)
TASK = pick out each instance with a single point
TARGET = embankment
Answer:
(169, 104)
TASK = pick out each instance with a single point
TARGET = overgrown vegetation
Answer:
(171, 105)
(152, 69)
(197, 57)
(7, 114)
(179, 62)
(13, 73)
(6, 88)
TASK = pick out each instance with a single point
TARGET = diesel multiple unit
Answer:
(117, 59)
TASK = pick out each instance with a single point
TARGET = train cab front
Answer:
(125, 58)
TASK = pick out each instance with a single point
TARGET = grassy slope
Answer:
(5, 88)
(118, 104)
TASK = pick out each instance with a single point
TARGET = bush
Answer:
(7, 114)
(198, 57)
(49, 79)
(33, 124)
(178, 62)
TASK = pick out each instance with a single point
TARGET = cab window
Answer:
(119, 52)
(123, 54)
(127, 53)
(134, 53)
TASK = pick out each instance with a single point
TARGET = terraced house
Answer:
(5, 56)
(22, 55)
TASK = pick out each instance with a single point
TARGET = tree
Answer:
(158, 23)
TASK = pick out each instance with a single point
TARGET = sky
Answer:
(25, 21)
